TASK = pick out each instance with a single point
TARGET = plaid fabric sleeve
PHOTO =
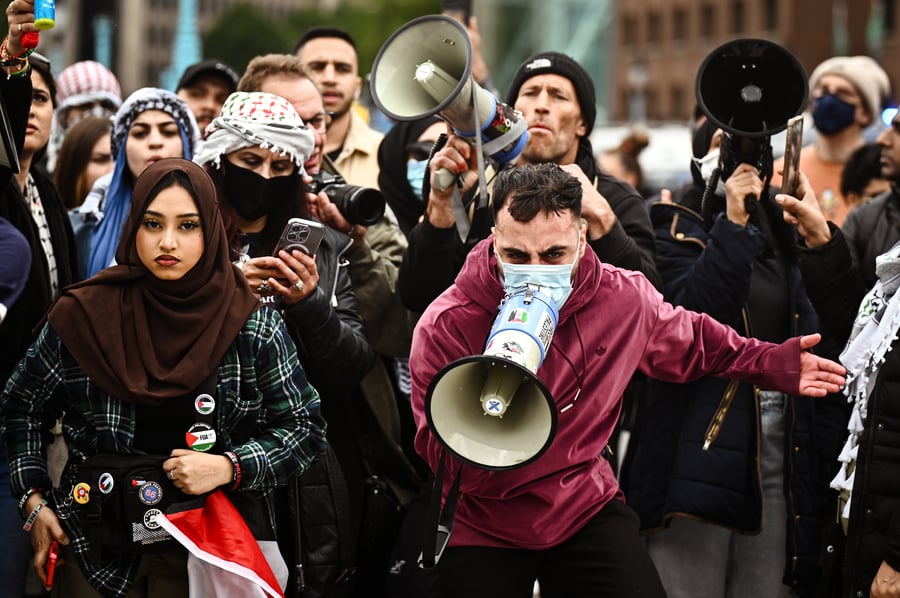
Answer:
(29, 406)
(290, 430)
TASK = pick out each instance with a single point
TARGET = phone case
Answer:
(301, 234)
(790, 177)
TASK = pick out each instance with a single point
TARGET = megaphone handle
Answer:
(750, 201)
(443, 178)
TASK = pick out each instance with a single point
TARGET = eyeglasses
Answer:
(320, 122)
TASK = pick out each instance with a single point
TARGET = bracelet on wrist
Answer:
(13, 62)
(5, 56)
(21, 72)
(24, 500)
(237, 473)
(34, 515)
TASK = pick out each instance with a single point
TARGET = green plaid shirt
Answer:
(267, 413)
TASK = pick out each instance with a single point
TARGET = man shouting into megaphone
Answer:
(560, 518)
(557, 99)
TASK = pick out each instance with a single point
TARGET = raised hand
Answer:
(806, 214)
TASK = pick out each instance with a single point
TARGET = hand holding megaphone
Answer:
(492, 410)
(744, 182)
(424, 69)
(451, 163)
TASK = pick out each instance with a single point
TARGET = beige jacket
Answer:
(358, 160)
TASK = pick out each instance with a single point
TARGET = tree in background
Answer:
(245, 31)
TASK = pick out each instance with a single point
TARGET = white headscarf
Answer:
(873, 334)
(260, 119)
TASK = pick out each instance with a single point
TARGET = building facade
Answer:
(643, 54)
(660, 44)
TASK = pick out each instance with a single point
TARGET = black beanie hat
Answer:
(558, 64)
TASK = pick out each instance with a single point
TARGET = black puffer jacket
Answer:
(836, 288)
(326, 326)
(327, 497)
(668, 474)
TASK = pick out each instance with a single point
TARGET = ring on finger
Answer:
(171, 474)
(299, 285)
(263, 288)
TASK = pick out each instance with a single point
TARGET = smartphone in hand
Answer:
(301, 234)
(52, 558)
(790, 177)
(460, 10)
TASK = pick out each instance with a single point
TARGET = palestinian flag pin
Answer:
(200, 437)
(204, 404)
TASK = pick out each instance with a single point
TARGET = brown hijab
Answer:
(145, 340)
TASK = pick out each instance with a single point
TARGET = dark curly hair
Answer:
(536, 188)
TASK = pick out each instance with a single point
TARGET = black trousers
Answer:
(606, 558)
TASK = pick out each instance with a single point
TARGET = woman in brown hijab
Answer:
(132, 356)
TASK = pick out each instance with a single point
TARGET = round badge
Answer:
(150, 493)
(151, 518)
(81, 493)
(106, 483)
(204, 404)
(200, 437)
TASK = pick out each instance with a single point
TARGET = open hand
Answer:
(818, 376)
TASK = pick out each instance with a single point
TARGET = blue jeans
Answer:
(702, 559)
(16, 552)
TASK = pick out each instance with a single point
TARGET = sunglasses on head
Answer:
(40, 59)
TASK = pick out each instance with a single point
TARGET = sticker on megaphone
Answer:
(491, 410)
(524, 328)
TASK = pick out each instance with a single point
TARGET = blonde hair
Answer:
(268, 65)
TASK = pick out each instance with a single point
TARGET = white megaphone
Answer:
(425, 68)
(491, 410)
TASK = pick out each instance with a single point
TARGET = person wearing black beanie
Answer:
(558, 64)
(557, 99)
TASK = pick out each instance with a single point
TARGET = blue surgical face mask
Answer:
(832, 114)
(415, 174)
(555, 279)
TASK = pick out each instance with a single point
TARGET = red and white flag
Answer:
(224, 559)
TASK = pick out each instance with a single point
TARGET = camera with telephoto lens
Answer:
(359, 205)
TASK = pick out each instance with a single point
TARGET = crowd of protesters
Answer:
(181, 374)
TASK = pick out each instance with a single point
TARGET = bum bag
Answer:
(119, 497)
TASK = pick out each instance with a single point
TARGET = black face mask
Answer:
(252, 195)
